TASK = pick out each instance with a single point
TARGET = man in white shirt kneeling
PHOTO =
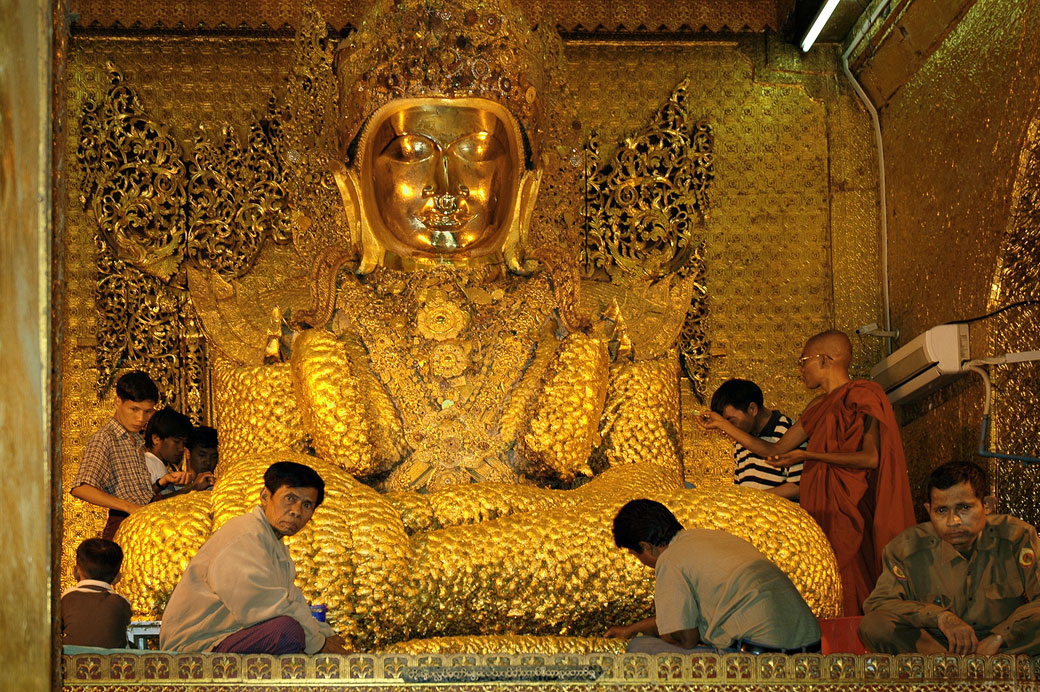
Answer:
(238, 593)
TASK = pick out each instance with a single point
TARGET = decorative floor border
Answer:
(162, 671)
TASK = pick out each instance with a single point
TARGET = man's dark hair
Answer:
(644, 520)
(283, 474)
(166, 422)
(99, 558)
(202, 436)
(953, 472)
(137, 386)
(739, 394)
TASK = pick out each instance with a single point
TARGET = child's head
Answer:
(166, 435)
(202, 449)
(99, 559)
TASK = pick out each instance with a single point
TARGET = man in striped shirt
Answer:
(740, 402)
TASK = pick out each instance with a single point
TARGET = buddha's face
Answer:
(440, 178)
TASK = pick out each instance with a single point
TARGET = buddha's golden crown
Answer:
(446, 49)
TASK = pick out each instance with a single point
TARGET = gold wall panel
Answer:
(186, 84)
(795, 194)
(957, 151)
(1018, 386)
(792, 231)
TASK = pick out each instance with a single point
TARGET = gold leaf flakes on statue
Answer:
(258, 411)
(332, 404)
(148, 576)
(563, 429)
(641, 424)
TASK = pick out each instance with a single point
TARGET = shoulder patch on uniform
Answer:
(897, 570)
(1026, 557)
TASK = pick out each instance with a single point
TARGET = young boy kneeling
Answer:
(92, 614)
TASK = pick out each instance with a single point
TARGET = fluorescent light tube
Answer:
(817, 26)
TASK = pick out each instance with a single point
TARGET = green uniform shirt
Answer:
(995, 589)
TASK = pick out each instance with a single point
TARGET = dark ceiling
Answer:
(572, 16)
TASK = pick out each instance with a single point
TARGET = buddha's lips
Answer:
(438, 221)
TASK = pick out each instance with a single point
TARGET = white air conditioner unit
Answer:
(928, 362)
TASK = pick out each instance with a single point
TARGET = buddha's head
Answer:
(440, 106)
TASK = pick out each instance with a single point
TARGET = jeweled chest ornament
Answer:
(440, 319)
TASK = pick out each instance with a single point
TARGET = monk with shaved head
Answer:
(854, 480)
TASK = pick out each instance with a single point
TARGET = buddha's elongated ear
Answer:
(520, 225)
(361, 235)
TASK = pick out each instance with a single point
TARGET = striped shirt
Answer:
(113, 461)
(753, 471)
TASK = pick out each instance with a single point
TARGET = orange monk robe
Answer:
(860, 510)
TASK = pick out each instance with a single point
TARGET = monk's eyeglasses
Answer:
(805, 359)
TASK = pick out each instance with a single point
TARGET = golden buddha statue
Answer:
(476, 432)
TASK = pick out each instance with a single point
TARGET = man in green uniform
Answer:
(965, 582)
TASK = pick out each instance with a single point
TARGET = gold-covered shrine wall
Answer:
(188, 85)
(793, 228)
(963, 178)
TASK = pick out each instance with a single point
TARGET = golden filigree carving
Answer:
(694, 342)
(153, 212)
(646, 207)
(143, 323)
(645, 220)
(134, 185)
(236, 198)
(133, 180)
(440, 318)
